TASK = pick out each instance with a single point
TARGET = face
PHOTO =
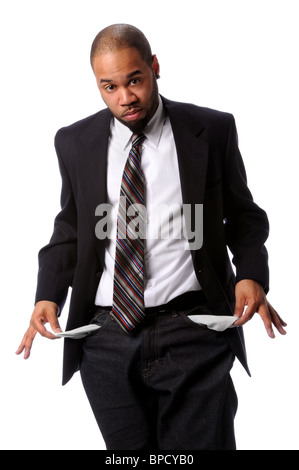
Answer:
(128, 86)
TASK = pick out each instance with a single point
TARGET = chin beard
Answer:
(136, 127)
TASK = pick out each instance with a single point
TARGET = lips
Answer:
(132, 114)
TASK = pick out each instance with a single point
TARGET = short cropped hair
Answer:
(121, 36)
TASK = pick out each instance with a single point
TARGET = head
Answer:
(126, 74)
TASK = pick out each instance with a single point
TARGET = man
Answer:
(157, 371)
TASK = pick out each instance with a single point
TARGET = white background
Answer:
(239, 56)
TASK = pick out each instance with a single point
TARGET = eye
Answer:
(134, 81)
(110, 88)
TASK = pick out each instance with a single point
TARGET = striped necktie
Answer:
(128, 289)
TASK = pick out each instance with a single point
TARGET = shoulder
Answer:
(86, 129)
(208, 117)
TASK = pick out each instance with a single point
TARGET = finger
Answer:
(20, 349)
(247, 315)
(277, 321)
(39, 325)
(44, 332)
(51, 318)
(26, 343)
(272, 310)
(266, 317)
(28, 350)
(22, 345)
(55, 325)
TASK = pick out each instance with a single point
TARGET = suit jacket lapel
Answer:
(94, 169)
(192, 152)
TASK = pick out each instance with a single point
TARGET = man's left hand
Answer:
(251, 295)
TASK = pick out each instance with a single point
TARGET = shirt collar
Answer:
(153, 130)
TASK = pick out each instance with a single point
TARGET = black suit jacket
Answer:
(211, 172)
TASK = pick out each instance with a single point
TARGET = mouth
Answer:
(132, 114)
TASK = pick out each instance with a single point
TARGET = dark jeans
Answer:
(167, 386)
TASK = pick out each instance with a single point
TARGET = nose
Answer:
(126, 97)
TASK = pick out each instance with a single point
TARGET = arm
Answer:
(247, 230)
(57, 260)
(57, 263)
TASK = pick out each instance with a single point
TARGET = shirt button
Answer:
(149, 284)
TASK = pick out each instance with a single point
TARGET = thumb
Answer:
(54, 323)
(239, 307)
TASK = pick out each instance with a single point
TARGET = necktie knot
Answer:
(137, 140)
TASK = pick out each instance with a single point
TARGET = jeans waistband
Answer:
(182, 302)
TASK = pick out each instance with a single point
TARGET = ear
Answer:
(156, 67)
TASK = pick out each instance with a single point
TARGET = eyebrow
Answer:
(131, 75)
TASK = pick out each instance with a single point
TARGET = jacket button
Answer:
(202, 269)
(99, 274)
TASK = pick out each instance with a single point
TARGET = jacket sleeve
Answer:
(57, 260)
(246, 224)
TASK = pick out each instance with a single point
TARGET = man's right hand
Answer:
(44, 312)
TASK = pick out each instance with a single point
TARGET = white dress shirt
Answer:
(169, 269)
